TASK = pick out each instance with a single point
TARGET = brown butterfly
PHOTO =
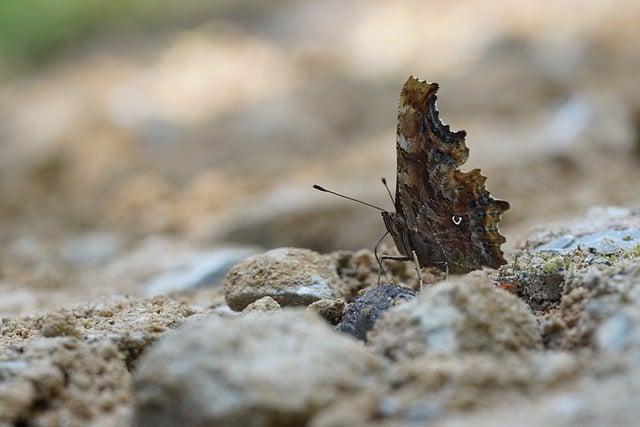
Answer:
(443, 217)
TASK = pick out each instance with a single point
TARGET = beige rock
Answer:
(64, 381)
(259, 370)
(59, 324)
(264, 304)
(331, 310)
(288, 275)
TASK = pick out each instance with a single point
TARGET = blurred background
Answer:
(146, 145)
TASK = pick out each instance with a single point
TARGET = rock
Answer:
(553, 255)
(605, 242)
(363, 313)
(288, 275)
(332, 310)
(538, 278)
(63, 381)
(606, 314)
(200, 269)
(265, 304)
(617, 333)
(582, 281)
(423, 390)
(457, 316)
(59, 324)
(593, 401)
(258, 370)
(128, 323)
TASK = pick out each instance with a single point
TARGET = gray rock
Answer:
(429, 388)
(457, 316)
(363, 313)
(605, 242)
(201, 269)
(258, 370)
(288, 275)
(617, 333)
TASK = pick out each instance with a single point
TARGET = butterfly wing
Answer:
(451, 218)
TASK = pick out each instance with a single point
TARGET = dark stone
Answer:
(365, 310)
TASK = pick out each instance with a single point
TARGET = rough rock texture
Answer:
(260, 370)
(264, 304)
(332, 310)
(582, 279)
(72, 367)
(609, 399)
(465, 314)
(422, 390)
(63, 381)
(363, 313)
(599, 308)
(131, 324)
(288, 275)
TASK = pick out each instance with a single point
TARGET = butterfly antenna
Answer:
(384, 182)
(317, 187)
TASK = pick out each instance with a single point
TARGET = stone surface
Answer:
(290, 276)
(537, 278)
(64, 381)
(259, 370)
(130, 324)
(423, 390)
(332, 310)
(592, 402)
(600, 308)
(363, 313)
(605, 242)
(264, 304)
(586, 294)
(461, 315)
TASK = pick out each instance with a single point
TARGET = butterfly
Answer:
(443, 218)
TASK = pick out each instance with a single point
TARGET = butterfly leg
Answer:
(375, 253)
(417, 265)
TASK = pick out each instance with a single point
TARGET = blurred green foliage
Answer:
(33, 31)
